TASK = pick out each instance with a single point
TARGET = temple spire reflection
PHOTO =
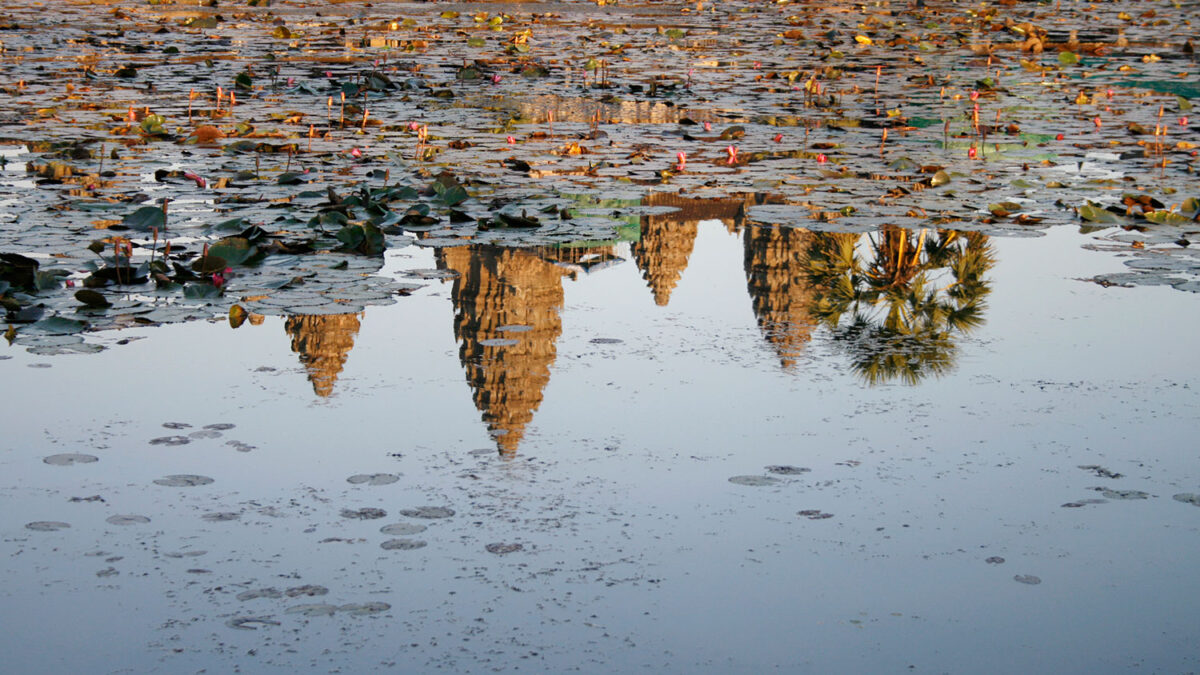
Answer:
(323, 342)
(781, 293)
(506, 320)
(666, 241)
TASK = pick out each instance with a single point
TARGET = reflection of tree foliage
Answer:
(895, 311)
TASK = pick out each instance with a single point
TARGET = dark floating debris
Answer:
(46, 526)
(814, 514)
(307, 590)
(373, 479)
(221, 426)
(605, 341)
(1121, 494)
(1187, 498)
(755, 481)
(428, 512)
(240, 446)
(127, 520)
(503, 549)
(1028, 579)
(402, 544)
(250, 622)
(364, 608)
(183, 480)
(221, 516)
(93, 498)
(368, 513)
(787, 470)
(271, 593)
(170, 440)
(1083, 502)
(69, 458)
(314, 609)
(176, 425)
(994, 560)
(1100, 472)
(402, 529)
(205, 433)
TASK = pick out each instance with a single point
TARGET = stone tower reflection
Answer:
(506, 320)
(776, 264)
(666, 241)
(323, 343)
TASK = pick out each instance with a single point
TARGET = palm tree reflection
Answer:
(894, 303)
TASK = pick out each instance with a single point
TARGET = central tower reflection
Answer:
(506, 320)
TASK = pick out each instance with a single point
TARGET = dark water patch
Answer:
(1027, 579)
(176, 425)
(1187, 498)
(220, 426)
(814, 514)
(994, 560)
(240, 446)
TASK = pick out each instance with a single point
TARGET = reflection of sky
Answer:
(621, 480)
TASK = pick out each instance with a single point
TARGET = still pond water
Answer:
(515, 386)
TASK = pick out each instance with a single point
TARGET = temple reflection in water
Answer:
(323, 342)
(891, 301)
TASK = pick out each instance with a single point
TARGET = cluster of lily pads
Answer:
(189, 159)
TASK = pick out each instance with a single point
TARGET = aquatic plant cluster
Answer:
(165, 162)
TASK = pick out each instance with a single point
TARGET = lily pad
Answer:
(183, 480)
(402, 544)
(373, 479)
(127, 520)
(754, 481)
(428, 512)
(69, 458)
(46, 526)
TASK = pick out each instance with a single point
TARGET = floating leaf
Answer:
(1096, 214)
(237, 316)
(145, 219)
(226, 252)
(57, 325)
(92, 298)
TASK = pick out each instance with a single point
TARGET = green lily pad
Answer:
(145, 218)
